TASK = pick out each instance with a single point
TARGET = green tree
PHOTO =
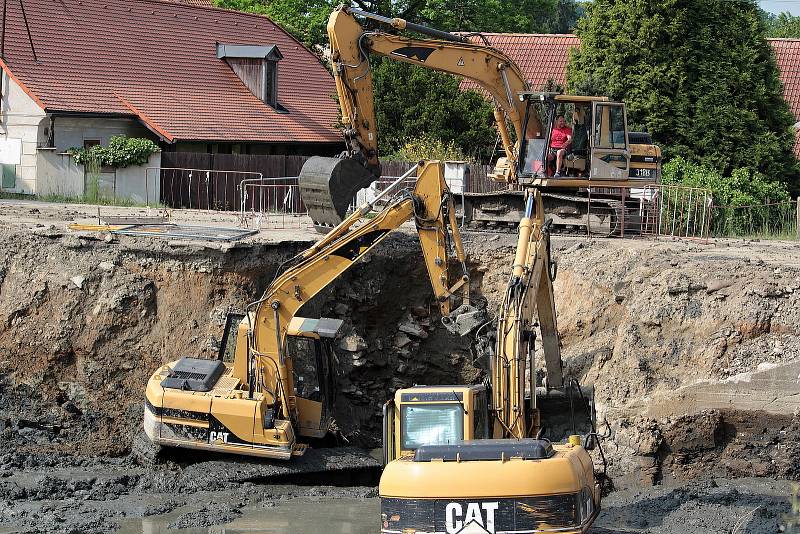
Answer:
(304, 19)
(698, 74)
(784, 25)
(307, 19)
(412, 102)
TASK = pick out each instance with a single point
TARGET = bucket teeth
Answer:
(327, 187)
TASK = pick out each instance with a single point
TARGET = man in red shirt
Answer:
(560, 140)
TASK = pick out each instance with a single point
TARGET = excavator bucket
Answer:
(565, 412)
(328, 186)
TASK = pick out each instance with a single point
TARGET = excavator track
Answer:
(571, 214)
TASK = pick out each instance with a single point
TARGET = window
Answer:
(9, 180)
(609, 128)
(271, 82)
(257, 67)
(430, 424)
(533, 146)
(89, 143)
(227, 346)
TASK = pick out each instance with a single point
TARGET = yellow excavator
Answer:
(465, 459)
(253, 405)
(603, 155)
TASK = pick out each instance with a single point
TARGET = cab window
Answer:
(609, 127)
(430, 424)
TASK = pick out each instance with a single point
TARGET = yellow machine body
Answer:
(452, 488)
(610, 161)
(499, 495)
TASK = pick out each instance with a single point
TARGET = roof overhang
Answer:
(268, 52)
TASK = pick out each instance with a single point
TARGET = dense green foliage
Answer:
(412, 102)
(699, 75)
(742, 188)
(745, 203)
(784, 25)
(122, 151)
(306, 19)
(427, 147)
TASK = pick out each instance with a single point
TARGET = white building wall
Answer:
(22, 119)
(138, 185)
(57, 174)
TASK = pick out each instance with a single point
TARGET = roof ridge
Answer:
(784, 39)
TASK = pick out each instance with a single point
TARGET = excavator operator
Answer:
(560, 141)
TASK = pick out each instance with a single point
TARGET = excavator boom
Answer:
(327, 188)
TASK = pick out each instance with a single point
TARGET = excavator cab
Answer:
(602, 149)
(433, 415)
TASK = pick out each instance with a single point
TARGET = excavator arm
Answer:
(559, 407)
(528, 296)
(327, 194)
(268, 368)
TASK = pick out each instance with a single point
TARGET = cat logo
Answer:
(218, 436)
(478, 518)
(460, 62)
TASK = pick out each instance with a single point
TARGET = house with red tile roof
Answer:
(544, 57)
(190, 77)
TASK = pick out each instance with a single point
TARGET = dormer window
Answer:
(257, 67)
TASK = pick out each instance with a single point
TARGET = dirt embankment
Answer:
(680, 340)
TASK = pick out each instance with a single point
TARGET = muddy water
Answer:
(296, 516)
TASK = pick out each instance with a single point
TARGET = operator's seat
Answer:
(577, 158)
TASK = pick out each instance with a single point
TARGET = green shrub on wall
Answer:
(428, 147)
(122, 151)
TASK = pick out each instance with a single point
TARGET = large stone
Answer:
(401, 340)
(353, 343)
(693, 433)
(413, 329)
(78, 281)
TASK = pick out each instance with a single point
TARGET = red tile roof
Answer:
(540, 56)
(543, 57)
(157, 60)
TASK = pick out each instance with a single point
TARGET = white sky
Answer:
(778, 6)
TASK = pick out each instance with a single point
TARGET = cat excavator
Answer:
(604, 155)
(467, 459)
(248, 400)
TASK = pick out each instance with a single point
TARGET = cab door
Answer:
(610, 157)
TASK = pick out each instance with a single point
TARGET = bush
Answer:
(745, 203)
(428, 147)
(122, 151)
